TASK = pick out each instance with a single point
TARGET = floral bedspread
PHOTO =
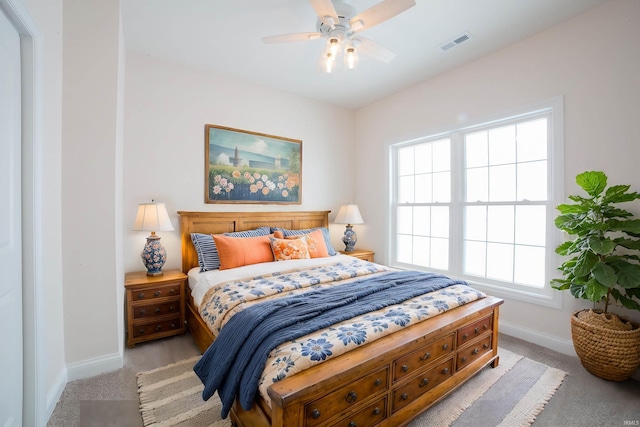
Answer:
(226, 299)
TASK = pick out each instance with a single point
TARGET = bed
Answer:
(387, 382)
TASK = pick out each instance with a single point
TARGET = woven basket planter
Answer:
(607, 353)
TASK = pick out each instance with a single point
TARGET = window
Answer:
(478, 203)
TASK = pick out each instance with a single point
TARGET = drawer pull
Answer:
(377, 411)
(424, 382)
(172, 308)
(405, 368)
(377, 381)
(141, 295)
(142, 312)
(156, 294)
(446, 346)
(476, 330)
(475, 351)
(426, 356)
(159, 328)
(158, 310)
(172, 291)
(173, 325)
(485, 346)
(351, 397)
(353, 424)
(464, 359)
(464, 337)
(404, 396)
(485, 327)
(141, 331)
(315, 414)
(445, 371)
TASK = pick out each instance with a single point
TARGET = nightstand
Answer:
(154, 305)
(361, 254)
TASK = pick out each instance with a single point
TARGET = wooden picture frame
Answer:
(251, 167)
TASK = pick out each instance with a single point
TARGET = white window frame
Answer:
(553, 109)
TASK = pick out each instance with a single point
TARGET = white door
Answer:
(10, 228)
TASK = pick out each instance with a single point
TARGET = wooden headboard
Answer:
(228, 222)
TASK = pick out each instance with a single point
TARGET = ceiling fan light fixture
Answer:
(329, 62)
(333, 45)
(351, 57)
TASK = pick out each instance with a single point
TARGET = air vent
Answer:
(455, 42)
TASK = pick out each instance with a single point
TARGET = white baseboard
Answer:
(92, 367)
(55, 392)
(545, 340)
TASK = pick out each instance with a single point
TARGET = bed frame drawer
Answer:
(367, 417)
(321, 410)
(421, 384)
(469, 354)
(410, 363)
(475, 329)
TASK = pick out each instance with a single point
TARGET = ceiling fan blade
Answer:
(374, 50)
(379, 13)
(285, 38)
(324, 9)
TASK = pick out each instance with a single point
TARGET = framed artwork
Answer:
(250, 167)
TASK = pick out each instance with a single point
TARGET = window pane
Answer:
(442, 187)
(532, 181)
(405, 161)
(440, 221)
(502, 145)
(405, 219)
(475, 255)
(476, 149)
(532, 140)
(441, 155)
(529, 266)
(500, 261)
(421, 251)
(475, 223)
(422, 221)
(440, 253)
(531, 224)
(423, 188)
(500, 224)
(478, 185)
(405, 189)
(404, 246)
(423, 159)
(502, 183)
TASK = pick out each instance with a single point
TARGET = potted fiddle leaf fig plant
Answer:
(604, 267)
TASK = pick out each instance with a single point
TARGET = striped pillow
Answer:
(208, 257)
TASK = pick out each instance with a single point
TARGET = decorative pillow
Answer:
(285, 249)
(325, 234)
(236, 252)
(260, 231)
(206, 250)
(315, 242)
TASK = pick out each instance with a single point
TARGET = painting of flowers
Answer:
(251, 167)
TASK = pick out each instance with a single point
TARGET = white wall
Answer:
(591, 60)
(91, 191)
(167, 107)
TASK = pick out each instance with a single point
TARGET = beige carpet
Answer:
(510, 395)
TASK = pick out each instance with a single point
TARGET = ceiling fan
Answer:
(340, 25)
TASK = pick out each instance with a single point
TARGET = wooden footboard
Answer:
(389, 381)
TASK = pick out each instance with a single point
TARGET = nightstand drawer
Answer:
(151, 310)
(149, 293)
(156, 327)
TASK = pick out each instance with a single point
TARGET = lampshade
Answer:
(152, 217)
(349, 214)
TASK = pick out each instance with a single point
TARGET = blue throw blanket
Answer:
(233, 364)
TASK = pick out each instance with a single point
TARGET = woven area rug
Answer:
(512, 394)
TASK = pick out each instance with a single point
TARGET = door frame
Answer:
(35, 411)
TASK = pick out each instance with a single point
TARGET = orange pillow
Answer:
(285, 249)
(315, 242)
(238, 251)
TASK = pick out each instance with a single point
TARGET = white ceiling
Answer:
(224, 36)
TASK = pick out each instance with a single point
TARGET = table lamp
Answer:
(349, 214)
(153, 217)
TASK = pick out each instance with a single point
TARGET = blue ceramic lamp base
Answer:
(153, 255)
(349, 239)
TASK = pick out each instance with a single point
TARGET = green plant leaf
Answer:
(604, 274)
(560, 284)
(576, 209)
(594, 291)
(601, 246)
(563, 249)
(627, 226)
(628, 273)
(627, 243)
(585, 263)
(618, 194)
(592, 182)
(569, 222)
